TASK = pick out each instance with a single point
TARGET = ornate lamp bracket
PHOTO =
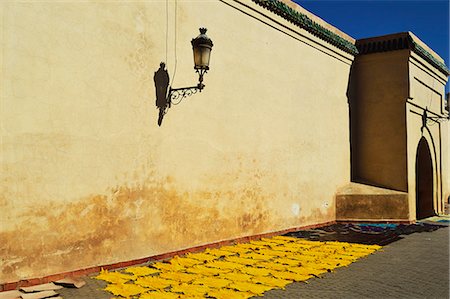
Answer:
(176, 95)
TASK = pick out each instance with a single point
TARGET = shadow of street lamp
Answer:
(165, 95)
(429, 118)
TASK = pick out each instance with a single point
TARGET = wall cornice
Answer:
(400, 41)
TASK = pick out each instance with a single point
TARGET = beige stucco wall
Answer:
(88, 178)
(427, 90)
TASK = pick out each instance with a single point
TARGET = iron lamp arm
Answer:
(176, 95)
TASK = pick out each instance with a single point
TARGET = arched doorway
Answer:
(424, 181)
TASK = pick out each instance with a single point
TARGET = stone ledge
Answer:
(358, 202)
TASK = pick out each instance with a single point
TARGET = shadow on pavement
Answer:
(365, 233)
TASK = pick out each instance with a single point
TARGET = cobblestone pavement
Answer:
(416, 266)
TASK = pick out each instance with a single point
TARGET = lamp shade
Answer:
(202, 45)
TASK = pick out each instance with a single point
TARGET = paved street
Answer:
(416, 266)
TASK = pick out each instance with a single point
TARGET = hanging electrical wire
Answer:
(167, 27)
(175, 52)
(175, 44)
(430, 121)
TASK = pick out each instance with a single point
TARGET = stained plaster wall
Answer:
(88, 178)
(427, 90)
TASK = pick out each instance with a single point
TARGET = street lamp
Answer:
(201, 47)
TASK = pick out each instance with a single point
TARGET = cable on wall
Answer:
(175, 44)
(167, 27)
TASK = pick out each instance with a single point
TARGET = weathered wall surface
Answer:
(87, 176)
(427, 90)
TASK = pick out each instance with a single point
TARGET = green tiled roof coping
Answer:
(303, 21)
(429, 58)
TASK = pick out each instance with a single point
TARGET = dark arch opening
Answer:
(424, 181)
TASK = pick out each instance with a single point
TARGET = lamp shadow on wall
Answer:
(161, 79)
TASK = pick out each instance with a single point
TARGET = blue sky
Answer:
(427, 19)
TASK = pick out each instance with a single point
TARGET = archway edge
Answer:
(426, 204)
(434, 160)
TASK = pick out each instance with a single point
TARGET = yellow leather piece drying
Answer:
(271, 281)
(255, 256)
(288, 261)
(168, 266)
(213, 282)
(318, 266)
(236, 249)
(366, 247)
(179, 276)
(261, 243)
(340, 256)
(291, 276)
(209, 271)
(219, 252)
(248, 246)
(294, 247)
(304, 241)
(113, 277)
(229, 294)
(236, 276)
(273, 266)
(306, 258)
(184, 261)
(155, 282)
(282, 250)
(255, 271)
(274, 240)
(159, 295)
(201, 256)
(225, 265)
(272, 253)
(310, 253)
(305, 270)
(250, 287)
(141, 271)
(191, 289)
(240, 260)
(284, 238)
(336, 262)
(336, 243)
(358, 254)
(125, 290)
